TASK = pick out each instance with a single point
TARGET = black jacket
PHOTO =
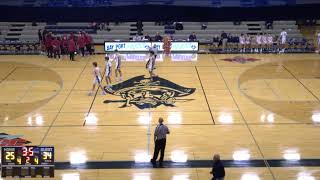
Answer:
(218, 170)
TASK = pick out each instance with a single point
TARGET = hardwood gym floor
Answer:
(260, 112)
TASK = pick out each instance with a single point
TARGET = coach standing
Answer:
(160, 135)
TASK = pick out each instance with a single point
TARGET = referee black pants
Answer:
(160, 145)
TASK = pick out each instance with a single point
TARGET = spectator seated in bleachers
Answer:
(204, 26)
(269, 24)
(137, 38)
(158, 37)
(94, 25)
(192, 37)
(216, 39)
(147, 37)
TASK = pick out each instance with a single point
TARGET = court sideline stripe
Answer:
(56, 116)
(246, 123)
(301, 83)
(139, 125)
(205, 96)
(189, 164)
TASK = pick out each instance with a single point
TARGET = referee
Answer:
(160, 135)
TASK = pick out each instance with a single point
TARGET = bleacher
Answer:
(215, 28)
(26, 33)
(125, 31)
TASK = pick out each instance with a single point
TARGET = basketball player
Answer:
(108, 71)
(150, 65)
(118, 72)
(253, 43)
(248, 42)
(270, 42)
(154, 49)
(242, 41)
(318, 41)
(96, 79)
(264, 42)
(259, 43)
(283, 40)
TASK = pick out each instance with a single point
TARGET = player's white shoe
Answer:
(90, 93)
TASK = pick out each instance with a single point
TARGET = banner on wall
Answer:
(135, 46)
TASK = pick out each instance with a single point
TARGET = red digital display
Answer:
(27, 151)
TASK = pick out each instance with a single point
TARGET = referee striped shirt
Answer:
(161, 131)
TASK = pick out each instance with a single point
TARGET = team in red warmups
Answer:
(57, 46)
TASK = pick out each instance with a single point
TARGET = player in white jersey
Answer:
(270, 42)
(283, 40)
(96, 79)
(117, 59)
(259, 43)
(318, 35)
(253, 43)
(108, 70)
(154, 49)
(242, 41)
(264, 41)
(150, 64)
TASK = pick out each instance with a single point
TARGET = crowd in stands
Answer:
(71, 44)
(101, 26)
(258, 43)
(147, 37)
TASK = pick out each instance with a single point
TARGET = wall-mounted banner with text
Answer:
(140, 46)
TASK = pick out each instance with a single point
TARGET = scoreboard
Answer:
(27, 161)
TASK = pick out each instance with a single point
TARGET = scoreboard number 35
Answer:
(28, 161)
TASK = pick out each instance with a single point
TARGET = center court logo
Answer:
(143, 93)
(12, 140)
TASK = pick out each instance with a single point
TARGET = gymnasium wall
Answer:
(157, 12)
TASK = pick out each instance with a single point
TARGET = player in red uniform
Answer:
(48, 44)
(88, 41)
(71, 48)
(81, 43)
(64, 45)
(56, 47)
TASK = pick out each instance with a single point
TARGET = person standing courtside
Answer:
(160, 135)
(318, 38)
(71, 48)
(217, 171)
(224, 38)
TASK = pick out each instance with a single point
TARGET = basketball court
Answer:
(261, 113)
